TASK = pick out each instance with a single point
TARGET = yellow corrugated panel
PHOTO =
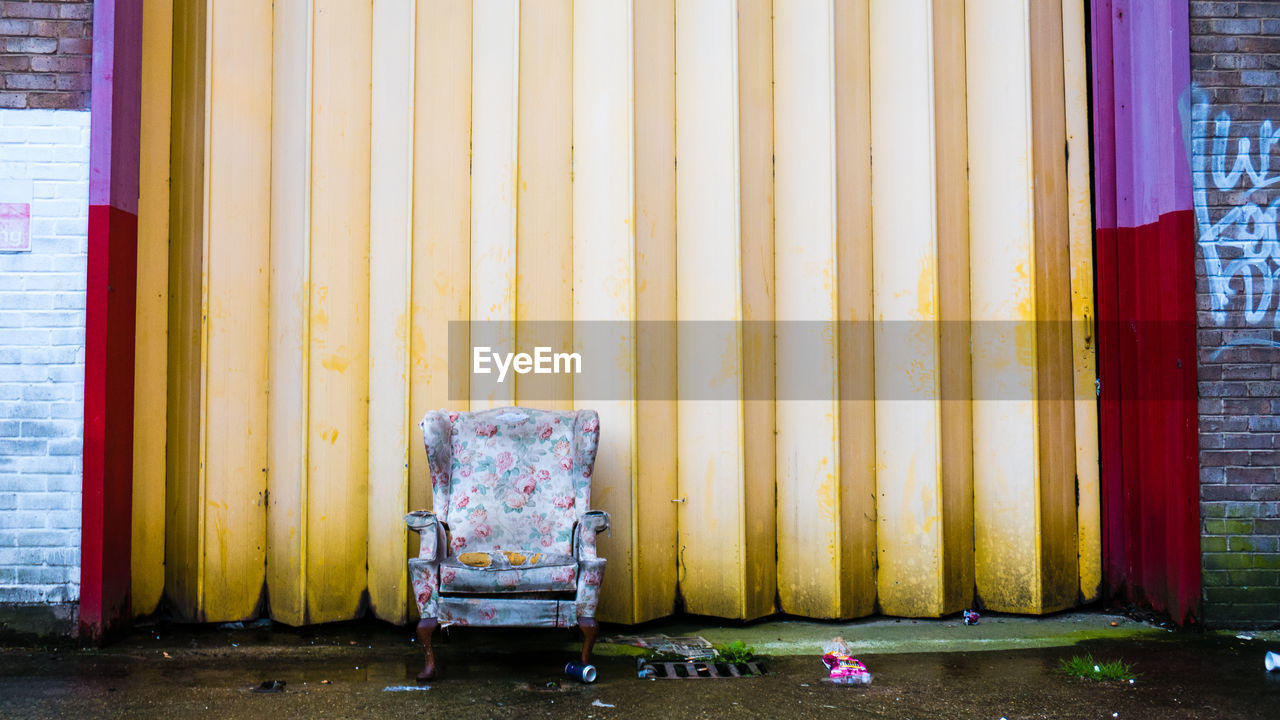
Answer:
(1059, 544)
(289, 374)
(655, 211)
(441, 220)
(1002, 228)
(810, 546)
(920, 475)
(338, 319)
(604, 271)
(236, 269)
(1075, 72)
(390, 274)
(857, 343)
(711, 517)
(952, 224)
(495, 71)
(216, 524)
(756, 208)
(186, 254)
(1024, 444)
(544, 195)
(151, 351)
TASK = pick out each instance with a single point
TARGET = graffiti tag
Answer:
(1242, 242)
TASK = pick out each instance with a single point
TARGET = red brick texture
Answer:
(1235, 66)
(46, 50)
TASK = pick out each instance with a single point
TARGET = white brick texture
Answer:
(42, 316)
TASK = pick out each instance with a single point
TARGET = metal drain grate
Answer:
(699, 670)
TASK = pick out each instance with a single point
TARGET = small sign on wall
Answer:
(15, 216)
(15, 226)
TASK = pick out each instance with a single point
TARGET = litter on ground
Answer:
(691, 647)
(270, 686)
(405, 688)
(842, 667)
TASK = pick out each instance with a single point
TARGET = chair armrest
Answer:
(431, 532)
(590, 565)
(592, 522)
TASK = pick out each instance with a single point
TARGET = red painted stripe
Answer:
(106, 506)
(1110, 446)
(1148, 415)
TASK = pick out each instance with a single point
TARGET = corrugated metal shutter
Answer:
(349, 177)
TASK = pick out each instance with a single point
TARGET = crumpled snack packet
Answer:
(842, 667)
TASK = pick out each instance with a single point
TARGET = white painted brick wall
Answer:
(42, 305)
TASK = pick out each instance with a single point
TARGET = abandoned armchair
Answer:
(512, 539)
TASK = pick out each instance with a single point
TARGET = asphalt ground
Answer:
(1005, 667)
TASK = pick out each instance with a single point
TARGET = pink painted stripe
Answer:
(1104, 125)
(115, 104)
(1180, 65)
(1122, 29)
(1162, 70)
(1141, 52)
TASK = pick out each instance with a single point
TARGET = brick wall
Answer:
(44, 163)
(46, 49)
(1235, 63)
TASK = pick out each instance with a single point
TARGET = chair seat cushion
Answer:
(508, 572)
(504, 612)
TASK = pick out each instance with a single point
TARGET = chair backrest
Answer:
(514, 479)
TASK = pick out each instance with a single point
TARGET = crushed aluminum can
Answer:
(581, 672)
(971, 617)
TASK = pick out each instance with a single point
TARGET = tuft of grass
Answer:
(1086, 667)
(736, 652)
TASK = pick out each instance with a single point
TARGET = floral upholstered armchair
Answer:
(512, 539)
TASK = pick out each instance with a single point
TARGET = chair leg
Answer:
(426, 629)
(589, 630)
